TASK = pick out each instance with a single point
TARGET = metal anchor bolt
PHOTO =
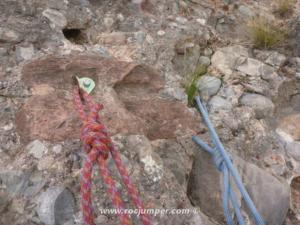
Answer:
(86, 83)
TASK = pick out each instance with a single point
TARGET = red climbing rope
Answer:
(98, 147)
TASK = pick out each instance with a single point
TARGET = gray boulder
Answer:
(209, 85)
(56, 206)
(204, 60)
(269, 194)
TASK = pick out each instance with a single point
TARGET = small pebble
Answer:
(57, 149)
(161, 33)
(36, 148)
(201, 21)
(181, 20)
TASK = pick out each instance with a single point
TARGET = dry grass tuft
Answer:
(266, 34)
(284, 7)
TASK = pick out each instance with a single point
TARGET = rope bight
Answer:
(224, 164)
(98, 147)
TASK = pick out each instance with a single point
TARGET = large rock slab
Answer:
(161, 172)
(129, 93)
(270, 195)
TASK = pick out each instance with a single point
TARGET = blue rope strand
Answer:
(236, 207)
(233, 198)
(226, 193)
(222, 161)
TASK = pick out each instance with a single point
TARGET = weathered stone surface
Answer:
(276, 164)
(112, 38)
(56, 206)
(268, 72)
(205, 177)
(187, 56)
(294, 26)
(78, 17)
(262, 106)
(25, 53)
(270, 195)
(217, 103)
(22, 183)
(293, 149)
(46, 163)
(57, 19)
(176, 157)
(291, 126)
(15, 181)
(276, 59)
(10, 36)
(250, 67)
(226, 58)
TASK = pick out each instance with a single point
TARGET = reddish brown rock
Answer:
(129, 93)
(295, 194)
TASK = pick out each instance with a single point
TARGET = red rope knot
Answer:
(98, 146)
(93, 135)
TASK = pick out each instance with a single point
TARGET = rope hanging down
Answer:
(98, 147)
(224, 164)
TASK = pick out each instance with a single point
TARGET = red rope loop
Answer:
(98, 146)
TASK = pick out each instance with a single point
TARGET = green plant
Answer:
(284, 7)
(190, 83)
(266, 34)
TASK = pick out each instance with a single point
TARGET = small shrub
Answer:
(284, 7)
(266, 34)
(190, 83)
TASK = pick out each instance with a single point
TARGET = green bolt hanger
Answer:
(85, 83)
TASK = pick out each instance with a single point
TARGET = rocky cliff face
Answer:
(141, 56)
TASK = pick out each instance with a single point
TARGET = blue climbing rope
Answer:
(224, 164)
